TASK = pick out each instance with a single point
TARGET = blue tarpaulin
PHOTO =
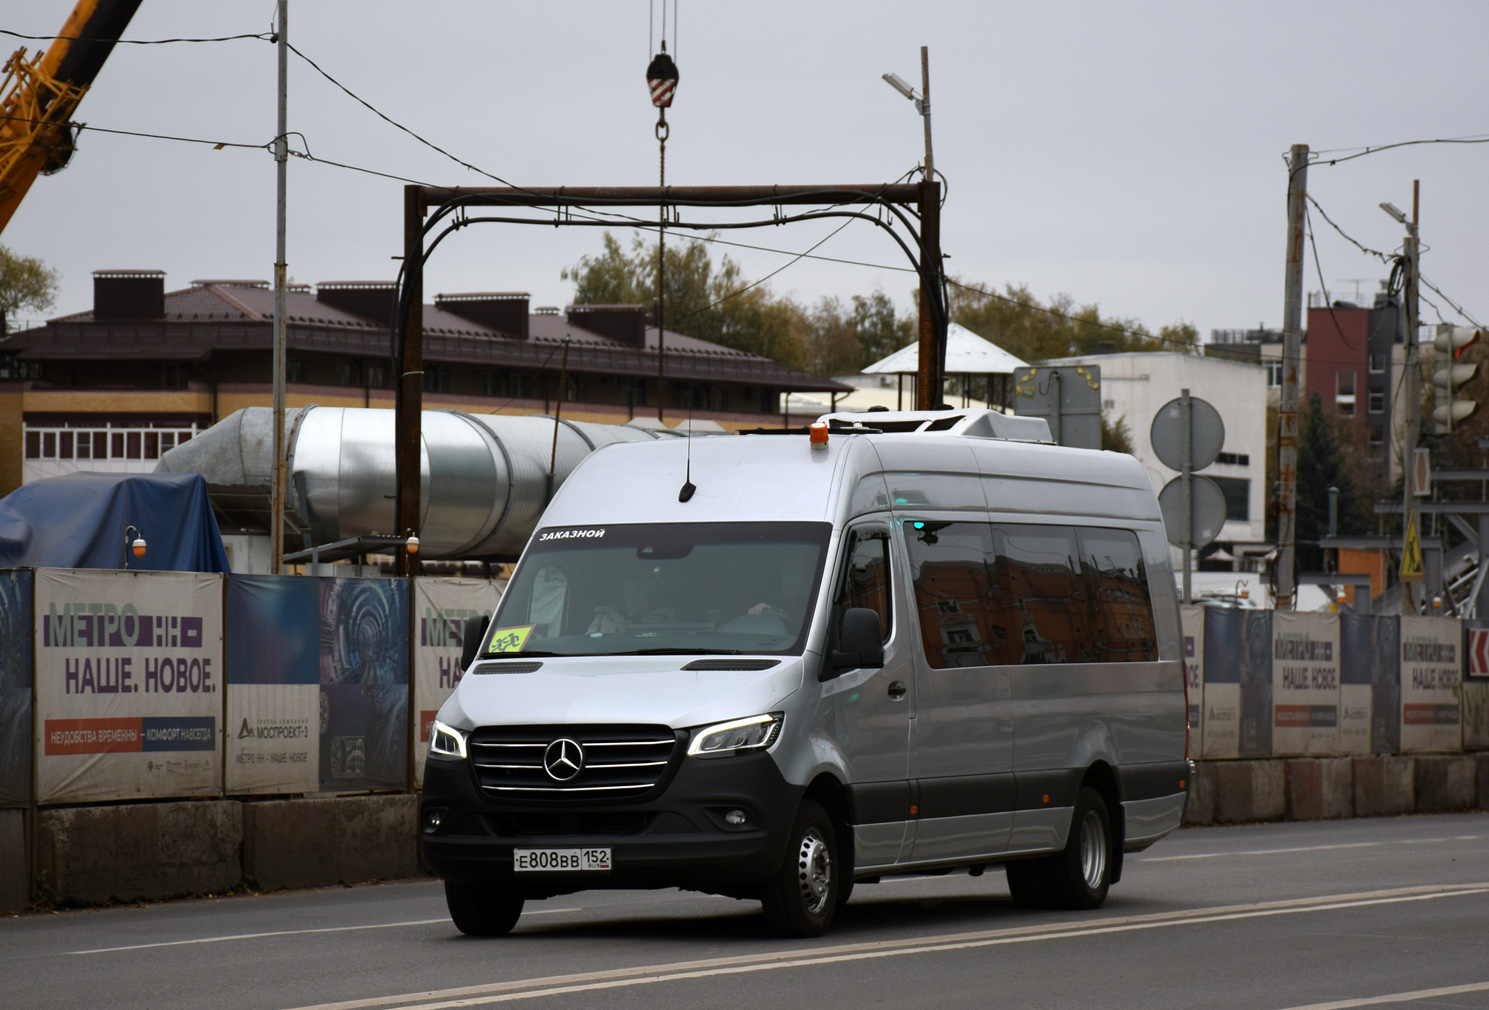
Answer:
(79, 520)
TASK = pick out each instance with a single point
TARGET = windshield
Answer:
(685, 588)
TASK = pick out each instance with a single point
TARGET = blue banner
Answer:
(364, 676)
(1256, 683)
(273, 631)
(16, 594)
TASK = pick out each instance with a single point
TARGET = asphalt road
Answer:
(1273, 917)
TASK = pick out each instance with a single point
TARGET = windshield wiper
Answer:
(677, 652)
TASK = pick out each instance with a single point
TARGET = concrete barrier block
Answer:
(1319, 788)
(1248, 791)
(317, 841)
(1445, 782)
(15, 862)
(139, 851)
(1384, 785)
(1200, 808)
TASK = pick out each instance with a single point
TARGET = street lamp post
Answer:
(931, 364)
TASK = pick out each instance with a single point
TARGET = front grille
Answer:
(619, 762)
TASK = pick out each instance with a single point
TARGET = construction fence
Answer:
(1265, 684)
(118, 685)
(124, 686)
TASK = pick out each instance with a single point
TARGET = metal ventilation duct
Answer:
(484, 477)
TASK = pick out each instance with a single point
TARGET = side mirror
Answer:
(475, 630)
(860, 644)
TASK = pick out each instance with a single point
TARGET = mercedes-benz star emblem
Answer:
(563, 759)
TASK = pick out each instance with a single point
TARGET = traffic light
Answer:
(1448, 376)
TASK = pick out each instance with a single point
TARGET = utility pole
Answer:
(1292, 353)
(281, 158)
(1412, 252)
(930, 365)
(410, 402)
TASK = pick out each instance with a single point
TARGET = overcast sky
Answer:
(1129, 154)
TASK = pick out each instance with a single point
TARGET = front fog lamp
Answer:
(754, 733)
(446, 741)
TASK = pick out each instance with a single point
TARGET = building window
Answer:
(1375, 439)
(377, 376)
(1344, 392)
(294, 370)
(1234, 458)
(1237, 492)
(348, 373)
(436, 377)
(1376, 363)
(1377, 402)
(1274, 375)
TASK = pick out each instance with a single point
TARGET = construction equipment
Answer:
(39, 96)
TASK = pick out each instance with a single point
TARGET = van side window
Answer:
(955, 595)
(866, 578)
(1041, 604)
(1023, 593)
(1123, 612)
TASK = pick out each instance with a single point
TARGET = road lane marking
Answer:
(1396, 997)
(293, 932)
(531, 988)
(1311, 848)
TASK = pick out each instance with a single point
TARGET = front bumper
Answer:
(676, 839)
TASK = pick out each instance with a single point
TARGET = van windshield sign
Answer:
(509, 639)
(593, 533)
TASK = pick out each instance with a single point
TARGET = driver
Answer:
(789, 600)
(638, 605)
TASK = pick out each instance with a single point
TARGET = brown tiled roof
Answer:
(222, 315)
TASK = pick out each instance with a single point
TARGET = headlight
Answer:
(446, 741)
(754, 733)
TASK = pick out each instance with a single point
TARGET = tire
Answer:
(1080, 876)
(800, 900)
(482, 911)
(1027, 883)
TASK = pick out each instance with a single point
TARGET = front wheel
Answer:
(800, 899)
(482, 911)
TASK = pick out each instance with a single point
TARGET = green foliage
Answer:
(1019, 323)
(26, 283)
(716, 302)
(1115, 435)
(1324, 461)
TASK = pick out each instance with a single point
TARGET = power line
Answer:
(265, 36)
(393, 122)
(80, 127)
(1316, 157)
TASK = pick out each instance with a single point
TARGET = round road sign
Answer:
(1206, 434)
(1207, 512)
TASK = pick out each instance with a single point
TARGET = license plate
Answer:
(561, 860)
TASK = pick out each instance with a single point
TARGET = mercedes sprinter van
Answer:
(775, 665)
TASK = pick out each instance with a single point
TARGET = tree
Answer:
(1323, 463)
(714, 303)
(26, 283)
(1020, 324)
(1115, 435)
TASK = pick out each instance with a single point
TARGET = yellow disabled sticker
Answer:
(509, 639)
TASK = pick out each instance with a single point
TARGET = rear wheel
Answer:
(1080, 876)
(1026, 882)
(482, 911)
(800, 899)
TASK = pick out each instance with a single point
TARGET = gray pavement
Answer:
(1265, 917)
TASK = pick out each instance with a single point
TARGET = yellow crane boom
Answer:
(39, 96)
